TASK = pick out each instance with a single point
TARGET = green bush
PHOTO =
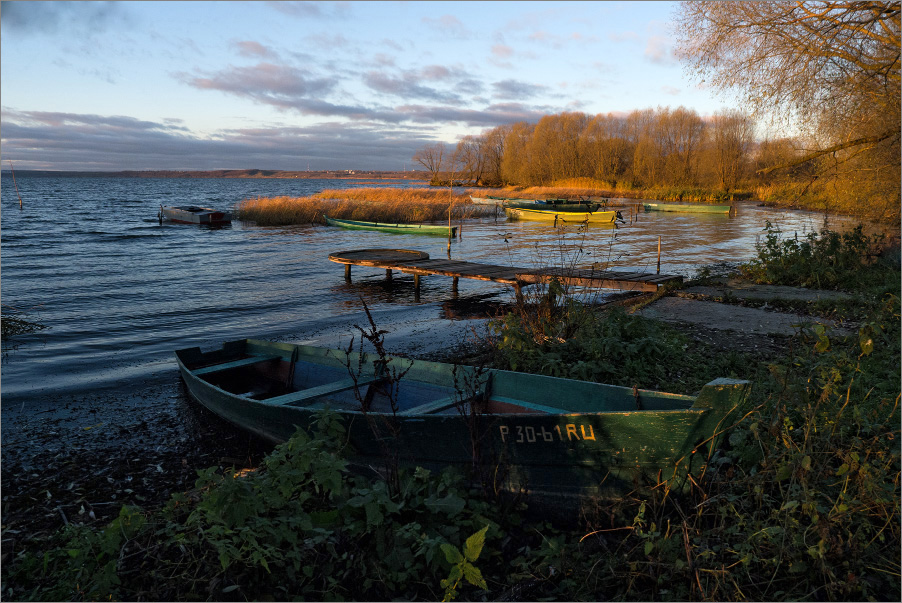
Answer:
(828, 260)
(299, 527)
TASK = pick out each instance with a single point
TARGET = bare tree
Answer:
(606, 151)
(471, 158)
(432, 158)
(515, 162)
(731, 136)
(831, 69)
(493, 151)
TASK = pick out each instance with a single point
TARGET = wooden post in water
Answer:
(659, 254)
(348, 272)
(14, 183)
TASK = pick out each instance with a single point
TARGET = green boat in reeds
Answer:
(542, 435)
(695, 208)
(418, 229)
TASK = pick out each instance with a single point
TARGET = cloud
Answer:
(409, 83)
(670, 90)
(66, 141)
(88, 18)
(405, 87)
(516, 89)
(253, 49)
(317, 10)
(281, 86)
(448, 25)
(659, 49)
(502, 51)
(491, 116)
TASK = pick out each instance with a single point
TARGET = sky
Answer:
(107, 86)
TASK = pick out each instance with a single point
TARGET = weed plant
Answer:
(388, 205)
(14, 323)
(825, 260)
(300, 527)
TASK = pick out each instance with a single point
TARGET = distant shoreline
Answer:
(254, 173)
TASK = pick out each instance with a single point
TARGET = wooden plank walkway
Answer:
(419, 264)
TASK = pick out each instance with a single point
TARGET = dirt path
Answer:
(704, 306)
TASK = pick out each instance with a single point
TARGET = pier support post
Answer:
(518, 289)
(388, 273)
(659, 254)
(454, 286)
(348, 272)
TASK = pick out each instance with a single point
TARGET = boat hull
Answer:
(547, 436)
(555, 205)
(543, 215)
(192, 214)
(420, 229)
(485, 201)
(695, 208)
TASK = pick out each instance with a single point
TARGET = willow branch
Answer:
(833, 149)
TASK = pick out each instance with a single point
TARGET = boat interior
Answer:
(313, 378)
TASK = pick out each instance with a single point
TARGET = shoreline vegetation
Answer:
(386, 205)
(801, 501)
(783, 195)
(430, 204)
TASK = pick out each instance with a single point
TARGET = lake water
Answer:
(119, 292)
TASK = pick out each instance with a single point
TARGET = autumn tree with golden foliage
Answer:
(828, 69)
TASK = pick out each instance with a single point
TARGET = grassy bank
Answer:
(576, 188)
(404, 206)
(795, 196)
(800, 503)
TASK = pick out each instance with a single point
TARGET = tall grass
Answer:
(576, 188)
(403, 206)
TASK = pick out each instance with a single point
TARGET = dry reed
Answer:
(390, 205)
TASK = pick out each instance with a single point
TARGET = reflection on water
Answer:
(119, 292)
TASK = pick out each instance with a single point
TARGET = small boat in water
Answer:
(558, 216)
(562, 205)
(421, 229)
(544, 435)
(192, 214)
(695, 208)
(486, 200)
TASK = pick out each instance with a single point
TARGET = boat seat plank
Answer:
(312, 393)
(551, 410)
(235, 364)
(429, 407)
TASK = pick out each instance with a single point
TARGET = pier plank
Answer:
(419, 264)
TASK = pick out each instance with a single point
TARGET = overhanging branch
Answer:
(833, 149)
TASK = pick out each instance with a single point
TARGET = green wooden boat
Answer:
(696, 208)
(558, 205)
(420, 229)
(543, 435)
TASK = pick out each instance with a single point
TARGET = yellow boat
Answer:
(567, 217)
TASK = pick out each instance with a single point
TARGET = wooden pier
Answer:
(419, 264)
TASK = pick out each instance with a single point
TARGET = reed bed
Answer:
(578, 188)
(390, 205)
